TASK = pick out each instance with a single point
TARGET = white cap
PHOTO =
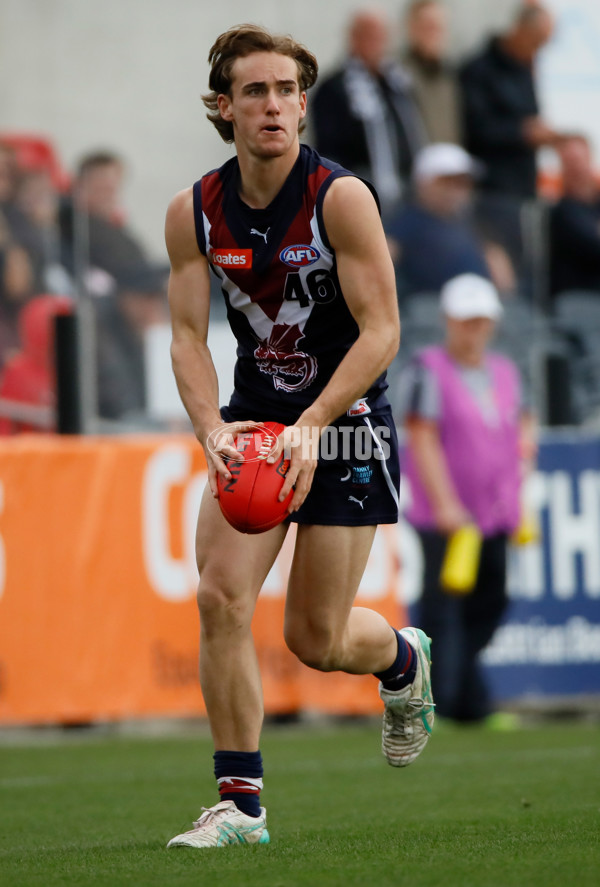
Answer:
(444, 159)
(468, 296)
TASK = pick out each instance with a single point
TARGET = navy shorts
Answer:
(357, 479)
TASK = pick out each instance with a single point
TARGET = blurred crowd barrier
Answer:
(84, 332)
(554, 338)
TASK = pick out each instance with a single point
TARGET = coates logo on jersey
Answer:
(299, 255)
(236, 258)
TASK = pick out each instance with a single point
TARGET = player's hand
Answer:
(219, 447)
(300, 444)
(450, 517)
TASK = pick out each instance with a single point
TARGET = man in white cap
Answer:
(468, 435)
(431, 238)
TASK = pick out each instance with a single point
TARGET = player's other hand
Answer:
(219, 448)
(299, 444)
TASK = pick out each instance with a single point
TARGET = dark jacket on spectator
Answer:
(433, 250)
(575, 245)
(120, 361)
(498, 94)
(357, 115)
(111, 247)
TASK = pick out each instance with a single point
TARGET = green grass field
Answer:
(478, 808)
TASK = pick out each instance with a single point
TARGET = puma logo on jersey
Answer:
(242, 258)
(360, 502)
(260, 233)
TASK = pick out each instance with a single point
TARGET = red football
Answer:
(249, 500)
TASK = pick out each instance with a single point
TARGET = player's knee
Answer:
(315, 649)
(220, 609)
(212, 601)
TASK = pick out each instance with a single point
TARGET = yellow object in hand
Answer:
(528, 531)
(461, 561)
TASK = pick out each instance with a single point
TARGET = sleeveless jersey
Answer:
(278, 275)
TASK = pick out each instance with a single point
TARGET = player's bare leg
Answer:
(327, 632)
(232, 569)
(321, 626)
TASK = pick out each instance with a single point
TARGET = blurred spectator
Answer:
(16, 288)
(122, 321)
(431, 238)
(38, 202)
(28, 381)
(435, 82)
(92, 221)
(8, 176)
(503, 127)
(30, 178)
(16, 228)
(466, 433)
(33, 152)
(29, 243)
(575, 221)
(364, 115)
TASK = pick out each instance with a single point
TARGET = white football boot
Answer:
(408, 713)
(222, 825)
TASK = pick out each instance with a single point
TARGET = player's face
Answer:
(265, 105)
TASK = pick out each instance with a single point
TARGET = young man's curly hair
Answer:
(238, 42)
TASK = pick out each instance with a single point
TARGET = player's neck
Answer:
(262, 178)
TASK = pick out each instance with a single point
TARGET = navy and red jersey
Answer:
(278, 275)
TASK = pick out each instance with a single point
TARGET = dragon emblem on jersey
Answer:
(278, 356)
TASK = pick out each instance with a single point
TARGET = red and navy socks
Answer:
(239, 777)
(402, 671)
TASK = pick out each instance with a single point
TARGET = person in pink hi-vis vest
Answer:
(469, 437)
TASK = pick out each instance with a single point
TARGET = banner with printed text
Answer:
(98, 619)
(549, 643)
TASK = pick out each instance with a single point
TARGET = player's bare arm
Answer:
(368, 285)
(189, 302)
(366, 275)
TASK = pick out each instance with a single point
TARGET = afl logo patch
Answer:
(299, 255)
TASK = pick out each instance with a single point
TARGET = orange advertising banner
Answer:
(98, 619)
